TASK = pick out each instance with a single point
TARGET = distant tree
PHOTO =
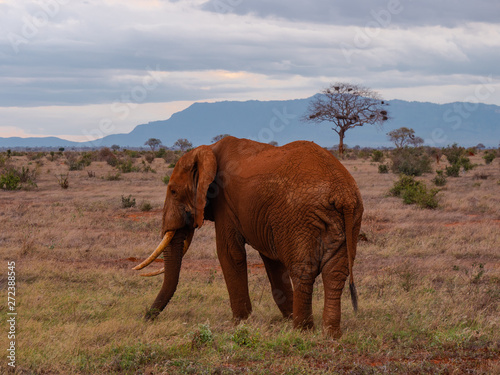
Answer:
(153, 143)
(480, 146)
(61, 149)
(183, 144)
(115, 147)
(217, 138)
(346, 106)
(404, 137)
(273, 143)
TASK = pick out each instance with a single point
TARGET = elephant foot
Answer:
(305, 325)
(152, 314)
(333, 332)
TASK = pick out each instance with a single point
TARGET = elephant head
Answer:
(183, 212)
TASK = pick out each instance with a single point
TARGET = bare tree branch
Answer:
(346, 106)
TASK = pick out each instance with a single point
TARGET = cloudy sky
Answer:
(82, 69)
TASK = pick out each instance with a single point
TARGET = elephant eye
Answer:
(174, 192)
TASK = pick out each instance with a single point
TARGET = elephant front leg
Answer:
(232, 258)
(334, 275)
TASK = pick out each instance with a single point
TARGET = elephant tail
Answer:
(351, 253)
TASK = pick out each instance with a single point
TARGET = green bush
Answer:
(377, 156)
(440, 179)
(13, 178)
(243, 336)
(383, 168)
(453, 170)
(202, 337)
(127, 166)
(9, 180)
(453, 153)
(166, 179)
(113, 177)
(146, 206)
(414, 192)
(410, 161)
(128, 202)
(489, 157)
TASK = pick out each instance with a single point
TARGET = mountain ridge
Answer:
(280, 120)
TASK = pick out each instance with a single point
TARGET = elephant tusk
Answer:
(155, 273)
(187, 242)
(163, 244)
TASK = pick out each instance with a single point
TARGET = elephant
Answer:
(297, 205)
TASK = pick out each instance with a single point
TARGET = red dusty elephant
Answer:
(296, 204)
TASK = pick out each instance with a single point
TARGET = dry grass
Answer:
(428, 283)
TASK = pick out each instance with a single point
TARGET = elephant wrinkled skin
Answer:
(296, 204)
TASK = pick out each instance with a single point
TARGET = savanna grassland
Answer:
(428, 282)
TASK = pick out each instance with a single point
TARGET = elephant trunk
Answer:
(172, 256)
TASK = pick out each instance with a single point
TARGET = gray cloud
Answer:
(448, 13)
(100, 52)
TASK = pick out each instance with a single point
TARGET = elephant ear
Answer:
(205, 169)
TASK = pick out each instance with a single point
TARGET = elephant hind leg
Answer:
(302, 302)
(281, 285)
(334, 275)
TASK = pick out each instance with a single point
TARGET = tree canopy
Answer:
(153, 143)
(404, 137)
(346, 106)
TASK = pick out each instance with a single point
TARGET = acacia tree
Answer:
(346, 106)
(183, 144)
(153, 143)
(404, 137)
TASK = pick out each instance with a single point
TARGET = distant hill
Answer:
(438, 124)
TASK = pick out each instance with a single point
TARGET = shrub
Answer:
(12, 178)
(377, 156)
(453, 153)
(150, 157)
(77, 163)
(63, 180)
(166, 179)
(105, 154)
(171, 156)
(128, 202)
(383, 168)
(440, 179)
(414, 192)
(113, 177)
(127, 166)
(9, 180)
(411, 161)
(146, 206)
(453, 170)
(489, 157)
(202, 337)
(243, 336)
